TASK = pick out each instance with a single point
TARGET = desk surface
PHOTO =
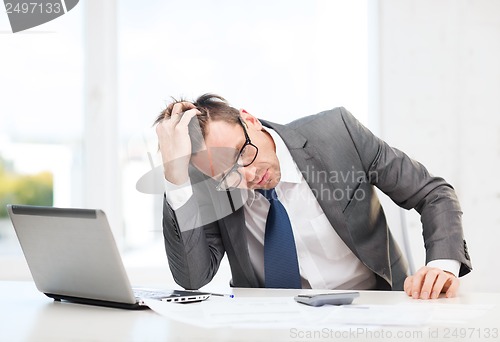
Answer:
(27, 315)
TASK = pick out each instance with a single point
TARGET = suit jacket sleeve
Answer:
(194, 247)
(409, 184)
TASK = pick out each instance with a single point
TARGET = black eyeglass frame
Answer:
(236, 165)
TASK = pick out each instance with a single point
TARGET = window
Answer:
(279, 60)
(41, 116)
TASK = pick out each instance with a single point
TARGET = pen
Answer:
(222, 295)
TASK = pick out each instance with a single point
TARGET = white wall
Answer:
(439, 101)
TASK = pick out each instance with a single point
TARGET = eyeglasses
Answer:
(246, 156)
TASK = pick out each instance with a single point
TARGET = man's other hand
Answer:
(429, 282)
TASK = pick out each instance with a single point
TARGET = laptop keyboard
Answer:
(154, 294)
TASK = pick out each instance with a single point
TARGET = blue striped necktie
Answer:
(280, 254)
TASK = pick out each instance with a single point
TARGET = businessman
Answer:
(294, 205)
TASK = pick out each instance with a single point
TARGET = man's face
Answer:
(224, 141)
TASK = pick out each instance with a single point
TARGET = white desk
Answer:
(27, 315)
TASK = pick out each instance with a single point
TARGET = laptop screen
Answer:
(71, 252)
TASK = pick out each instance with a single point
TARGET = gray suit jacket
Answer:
(341, 161)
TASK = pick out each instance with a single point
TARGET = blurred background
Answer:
(78, 96)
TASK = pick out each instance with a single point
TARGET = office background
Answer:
(78, 96)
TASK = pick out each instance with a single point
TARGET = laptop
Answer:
(72, 256)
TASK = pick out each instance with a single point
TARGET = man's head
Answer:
(225, 141)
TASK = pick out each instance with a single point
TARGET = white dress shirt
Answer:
(325, 261)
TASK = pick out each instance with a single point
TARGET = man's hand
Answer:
(174, 141)
(429, 282)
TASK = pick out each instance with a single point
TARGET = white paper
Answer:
(266, 312)
(248, 311)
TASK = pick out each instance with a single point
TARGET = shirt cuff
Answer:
(178, 195)
(452, 266)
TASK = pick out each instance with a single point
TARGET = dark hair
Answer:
(212, 107)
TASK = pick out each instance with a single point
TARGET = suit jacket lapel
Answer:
(235, 228)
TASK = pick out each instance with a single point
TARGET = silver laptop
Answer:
(72, 255)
